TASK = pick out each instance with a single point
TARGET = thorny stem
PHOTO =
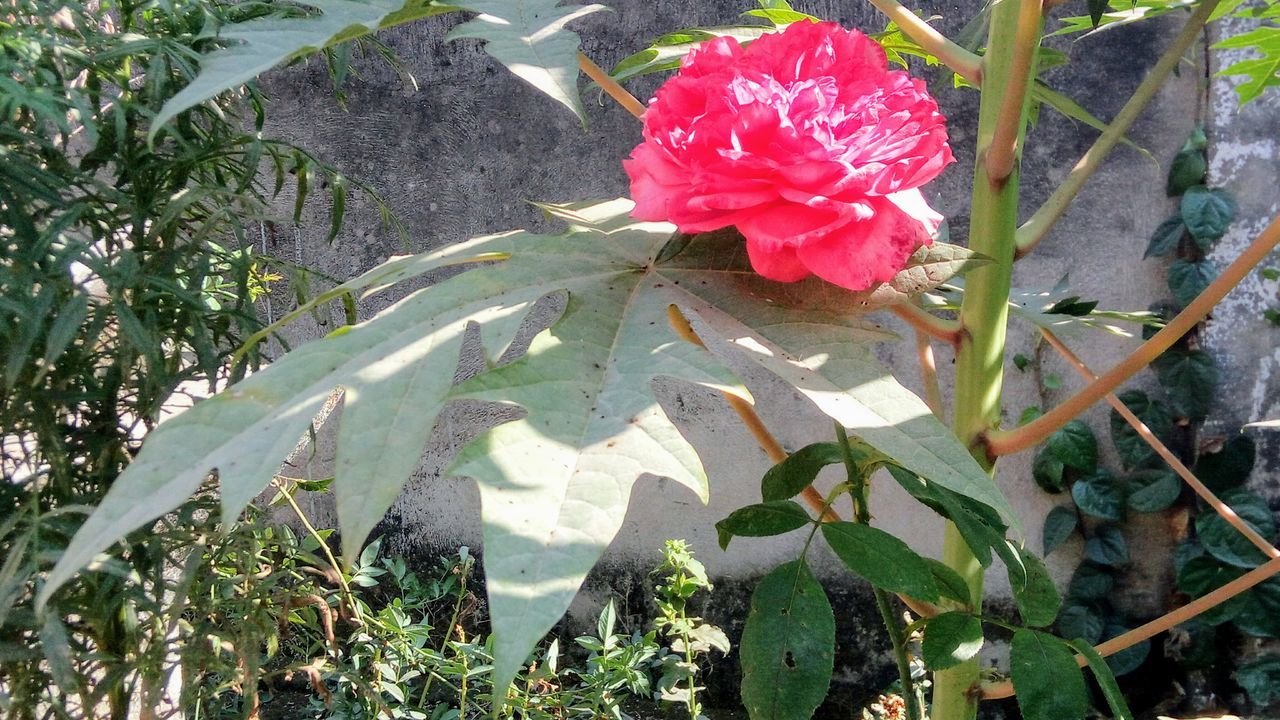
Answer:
(1038, 226)
(1002, 153)
(610, 86)
(858, 483)
(1200, 605)
(929, 375)
(1165, 453)
(964, 63)
(923, 321)
(1007, 442)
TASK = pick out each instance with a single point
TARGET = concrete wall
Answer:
(457, 157)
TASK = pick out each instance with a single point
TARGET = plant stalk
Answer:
(1014, 33)
(892, 623)
(1037, 227)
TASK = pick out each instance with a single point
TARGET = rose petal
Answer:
(869, 252)
(778, 263)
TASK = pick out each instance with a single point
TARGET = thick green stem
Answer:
(984, 312)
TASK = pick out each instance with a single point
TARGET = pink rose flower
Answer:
(804, 140)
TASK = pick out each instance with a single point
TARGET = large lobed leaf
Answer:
(555, 483)
(529, 37)
(255, 46)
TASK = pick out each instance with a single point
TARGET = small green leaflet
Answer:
(666, 52)
(529, 37)
(762, 520)
(881, 559)
(1106, 680)
(258, 45)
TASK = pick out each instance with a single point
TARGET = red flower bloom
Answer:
(805, 141)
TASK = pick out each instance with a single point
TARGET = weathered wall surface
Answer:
(457, 157)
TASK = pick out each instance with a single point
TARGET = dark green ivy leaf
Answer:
(788, 645)
(1229, 467)
(950, 639)
(1191, 379)
(791, 476)
(1075, 446)
(1090, 582)
(1166, 237)
(1048, 470)
(1189, 278)
(1107, 546)
(1207, 213)
(1259, 612)
(1225, 542)
(1133, 450)
(1100, 495)
(881, 559)
(762, 520)
(1186, 171)
(1128, 659)
(1153, 490)
(1058, 526)
(1203, 574)
(1078, 620)
(1049, 683)
(1261, 680)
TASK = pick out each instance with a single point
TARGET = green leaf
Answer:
(255, 46)
(927, 268)
(1191, 379)
(950, 584)
(529, 37)
(1107, 546)
(1226, 543)
(1260, 678)
(1096, 9)
(843, 379)
(1259, 612)
(979, 525)
(950, 639)
(1228, 468)
(1201, 575)
(881, 559)
(1153, 490)
(788, 646)
(1034, 593)
(1207, 212)
(1262, 72)
(1048, 471)
(1106, 680)
(1081, 621)
(1099, 495)
(666, 52)
(1090, 582)
(762, 520)
(1186, 171)
(1189, 278)
(1048, 682)
(1128, 659)
(1058, 526)
(1075, 446)
(798, 471)
(1166, 237)
(1133, 450)
(58, 655)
